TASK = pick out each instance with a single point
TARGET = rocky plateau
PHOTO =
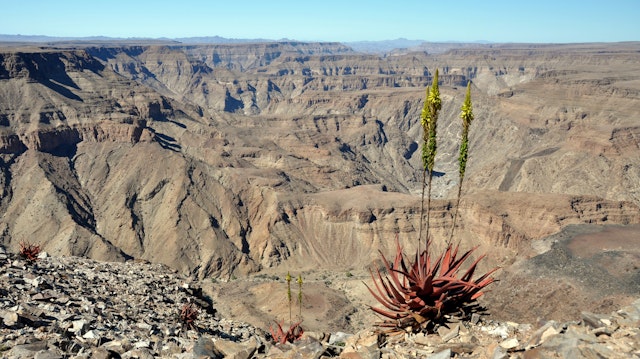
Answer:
(231, 162)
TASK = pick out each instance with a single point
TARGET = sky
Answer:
(540, 21)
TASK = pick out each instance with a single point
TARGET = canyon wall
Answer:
(217, 159)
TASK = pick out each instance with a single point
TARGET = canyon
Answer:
(227, 160)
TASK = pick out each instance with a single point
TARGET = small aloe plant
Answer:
(29, 251)
(279, 336)
(295, 331)
(188, 315)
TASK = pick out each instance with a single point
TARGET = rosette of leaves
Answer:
(188, 315)
(419, 293)
(29, 251)
(280, 336)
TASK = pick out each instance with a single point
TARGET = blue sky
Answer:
(539, 21)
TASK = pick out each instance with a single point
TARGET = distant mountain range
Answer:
(385, 46)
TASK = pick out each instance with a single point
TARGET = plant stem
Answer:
(288, 278)
(299, 280)
(466, 115)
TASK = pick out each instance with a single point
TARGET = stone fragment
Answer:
(601, 331)
(234, 350)
(502, 330)
(543, 333)
(499, 352)
(460, 348)
(445, 354)
(138, 353)
(475, 318)
(339, 337)
(426, 339)
(592, 320)
(142, 344)
(510, 343)
(366, 344)
(102, 353)
(304, 348)
(10, 318)
(27, 350)
(170, 349)
(48, 354)
(115, 346)
(319, 336)
(207, 348)
(447, 334)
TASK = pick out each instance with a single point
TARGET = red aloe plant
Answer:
(188, 315)
(280, 336)
(29, 251)
(416, 294)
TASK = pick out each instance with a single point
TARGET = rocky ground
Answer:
(71, 307)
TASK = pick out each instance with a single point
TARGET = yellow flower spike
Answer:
(288, 279)
(299, 281)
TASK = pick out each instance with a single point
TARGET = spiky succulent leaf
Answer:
(424, 288)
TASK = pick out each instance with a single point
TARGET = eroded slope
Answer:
(214, 159)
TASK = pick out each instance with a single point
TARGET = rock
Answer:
(26, 350)
(447, 334)
(102, 353)
(234, 350)
(339, 338)
(48, 354)
(207, 348)
(365, 343)
(445, 354)
(426, 340)
(138, 353)
(10, 318)
(542, 334)
(79, 327)
(592, 320)
(501, 330)
(305, 348)
(498, 352)
(510, 343)
(142, 344)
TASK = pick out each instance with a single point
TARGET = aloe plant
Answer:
(418, 293)
(29, 251)
(279, 336)
(188, 315)
(295, 330)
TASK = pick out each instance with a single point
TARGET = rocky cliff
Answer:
(217, 159)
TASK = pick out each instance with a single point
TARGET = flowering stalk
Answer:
(299, 281)
(288, 278)
(466, 115)
(429, 121)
